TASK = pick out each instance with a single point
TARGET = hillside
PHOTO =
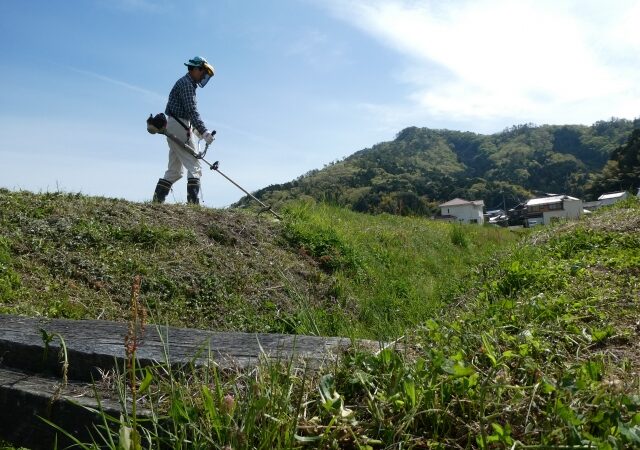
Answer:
(423, 167)
(507, 342)
(75, 256)
(322, 270)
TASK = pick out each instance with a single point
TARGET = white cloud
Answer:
(486, 60)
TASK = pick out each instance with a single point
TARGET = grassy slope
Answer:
(543, 348)
(322, 271)
(75, 256)
(538, 348)
(392, 272)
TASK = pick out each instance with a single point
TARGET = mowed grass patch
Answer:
(74, 256)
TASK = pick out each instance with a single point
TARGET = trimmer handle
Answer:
(206, 147)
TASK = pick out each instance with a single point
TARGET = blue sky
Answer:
(298, 84)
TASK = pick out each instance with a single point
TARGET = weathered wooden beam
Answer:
(31, 369)
(27, 399)
(93, 344)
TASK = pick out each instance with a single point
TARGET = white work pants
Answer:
(178, 157)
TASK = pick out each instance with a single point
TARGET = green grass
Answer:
(67, 255)
(391, 272)
(511, 345)
(323, 270)
(538, 351)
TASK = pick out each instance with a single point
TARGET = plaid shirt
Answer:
(182, 103)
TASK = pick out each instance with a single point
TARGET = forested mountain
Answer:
(423, 167)
(622, 171)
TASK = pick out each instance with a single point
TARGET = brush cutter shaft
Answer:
(267, 208)
(179, 142)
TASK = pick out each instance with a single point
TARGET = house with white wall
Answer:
(606, 199)
(612, 197)
(544, 210)
(462, 210)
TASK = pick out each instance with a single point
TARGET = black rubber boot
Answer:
(162, 189)
(193, 189)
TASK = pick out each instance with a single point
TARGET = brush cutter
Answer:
(158, 125)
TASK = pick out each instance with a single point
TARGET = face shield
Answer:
(202, 83)
(207, 76)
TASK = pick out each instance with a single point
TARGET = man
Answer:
(183, 120)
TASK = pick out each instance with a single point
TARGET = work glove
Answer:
(208, 137)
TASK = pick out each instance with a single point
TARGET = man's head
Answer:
(200, 70)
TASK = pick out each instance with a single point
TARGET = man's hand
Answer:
(208, 137)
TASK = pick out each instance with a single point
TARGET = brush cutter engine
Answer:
(157, 123)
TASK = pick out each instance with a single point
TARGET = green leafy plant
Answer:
(458, 236)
